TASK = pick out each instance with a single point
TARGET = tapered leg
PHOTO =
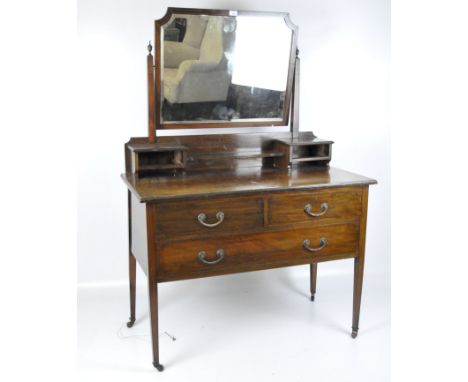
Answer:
(153, 302)
(358, 278)
(132, 279)
(131, 264)
(313, 280)
(359, 264)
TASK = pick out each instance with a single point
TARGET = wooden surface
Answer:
(265, 226)
(179, 219)
(138, 233)
(255, 213)
(359, 264)
(313, 280)
(152, 284)
(294, 125)
(288, 207)
(151, 100)
(262, 230)
(246, 180)
(266, 250)
(208, 153)
(265, 223)
(131, 264)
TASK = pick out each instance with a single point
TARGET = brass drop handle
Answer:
(323, 243)
(219, 254)
(323, 210)
(202, 219)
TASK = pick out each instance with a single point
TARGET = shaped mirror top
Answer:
(224, 68)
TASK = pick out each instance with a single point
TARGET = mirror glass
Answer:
(225, 68)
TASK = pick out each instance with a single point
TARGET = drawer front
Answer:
(209, 216)
(312, 206)
(199, 258)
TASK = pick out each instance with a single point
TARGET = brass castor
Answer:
(158, 366)
(354, 333)
(312, 297)
(130, 323)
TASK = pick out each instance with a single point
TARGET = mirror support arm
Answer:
(295, 98)
(151, 90)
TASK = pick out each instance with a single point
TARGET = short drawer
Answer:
(209, 216)
(312, 206)
(200, 258)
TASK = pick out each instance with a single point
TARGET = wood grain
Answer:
(241, 181)
(313, 280)
(359, 265)
(294, 126)
(138, 229)
(153, 285)
(260, 186)
(288, 207)
(226, 151)
(179, 260)
(131, 264)
(180, 218)
(151, 100)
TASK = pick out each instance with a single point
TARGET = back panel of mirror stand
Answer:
(195, 153)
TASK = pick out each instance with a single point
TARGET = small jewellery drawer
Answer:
(199, 258)
(209, 216)
(311, 206)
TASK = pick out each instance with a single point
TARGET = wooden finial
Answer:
(150, 47)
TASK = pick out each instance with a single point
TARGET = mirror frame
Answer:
(160, 125)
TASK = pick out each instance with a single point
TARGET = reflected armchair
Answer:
(195, 70)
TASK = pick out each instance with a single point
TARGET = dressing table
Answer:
(216, 204)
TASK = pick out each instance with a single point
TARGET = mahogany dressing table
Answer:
(209, 205)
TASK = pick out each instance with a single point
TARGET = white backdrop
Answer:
(344, 49)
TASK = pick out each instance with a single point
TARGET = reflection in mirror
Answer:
(225, 68)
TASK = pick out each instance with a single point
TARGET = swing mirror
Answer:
(217, 68)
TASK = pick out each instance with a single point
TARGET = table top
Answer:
(240, 181)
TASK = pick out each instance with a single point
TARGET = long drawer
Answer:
(200, 258)
(314, 206)
(211, 216)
